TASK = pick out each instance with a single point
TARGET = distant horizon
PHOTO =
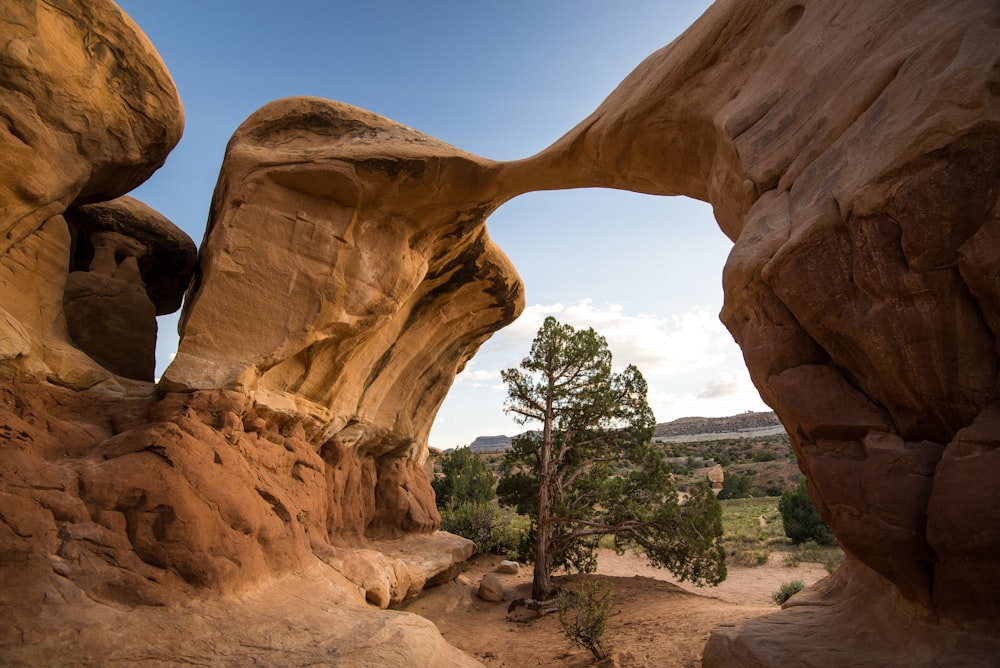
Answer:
(658, 424)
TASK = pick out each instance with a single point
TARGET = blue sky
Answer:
(503, 80)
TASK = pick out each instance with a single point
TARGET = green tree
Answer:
(736, 486)
(464, 479)
(560, 475)
(800, 518)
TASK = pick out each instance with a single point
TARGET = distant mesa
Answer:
(682, 429)
(491, 443)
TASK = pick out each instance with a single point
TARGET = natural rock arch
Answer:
(851, 151)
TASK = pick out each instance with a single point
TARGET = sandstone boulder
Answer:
(128, 265)
(508, 567)
(716, 477)
(490, 588)
(90, 112)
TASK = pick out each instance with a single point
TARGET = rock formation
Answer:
(83, 122)
(851, 151)
(127, 508)
(128, 265)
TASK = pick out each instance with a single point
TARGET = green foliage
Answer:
(787, 590)
(800, 518)
(487, 525)
(583, 614)
(736, 486)
(465, 479)
(591, 470)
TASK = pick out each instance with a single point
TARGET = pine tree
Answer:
(592, 470)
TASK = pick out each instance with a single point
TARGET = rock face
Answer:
(128, 265)
(357, 249)
(89, 113)
(851, 151)
(114, 496)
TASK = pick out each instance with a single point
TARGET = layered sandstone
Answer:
(126, 510)
(89, 113)
(851, 151)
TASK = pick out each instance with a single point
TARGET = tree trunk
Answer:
(540, 586)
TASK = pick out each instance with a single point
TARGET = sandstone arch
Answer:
(850, 150)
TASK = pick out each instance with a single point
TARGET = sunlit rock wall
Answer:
(851, 151)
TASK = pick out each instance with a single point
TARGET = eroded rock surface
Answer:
(123, 510)
(128, 265)
(851, 151)
(89, 112)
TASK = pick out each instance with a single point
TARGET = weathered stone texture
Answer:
(851, 151)
(112, 495)
(89, 113)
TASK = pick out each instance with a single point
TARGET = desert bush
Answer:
(735, 486)
(583, 615)
(465, 479)
(833, 561)
(747, 557)
(489, 526)
(787, 590)
(830, 556)
(800, 518)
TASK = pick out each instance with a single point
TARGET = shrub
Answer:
(833, 561)
(735, 486)
(583, 614)
(800, 518)
(464, 479)
(487, 525)
(787, 590)
(748, 557)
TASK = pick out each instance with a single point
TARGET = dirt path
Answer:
(658, 622)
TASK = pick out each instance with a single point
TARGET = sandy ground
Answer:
(657, 621)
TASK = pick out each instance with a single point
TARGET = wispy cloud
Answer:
(690, 361)
(728, 393)
(724, 385)
(488, 378)
(655, 344)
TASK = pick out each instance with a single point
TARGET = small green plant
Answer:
(800, 518)
(464, 479)
(833, 561)
(487, 525)
(583, 614)
(736, 486)
(787, 590)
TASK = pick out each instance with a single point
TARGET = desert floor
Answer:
(656, 621)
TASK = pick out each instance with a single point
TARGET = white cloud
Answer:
(480, 378)
(657, 345)
(733, 394)
(690, 361)
(725, 384)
